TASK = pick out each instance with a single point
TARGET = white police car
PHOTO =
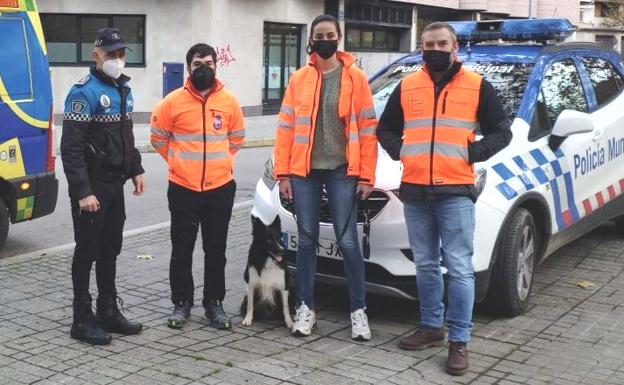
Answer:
(561, 176)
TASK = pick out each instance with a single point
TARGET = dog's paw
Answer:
(289, 322)
(247, 321)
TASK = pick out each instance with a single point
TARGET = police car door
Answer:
(567, 171)
(605, 88)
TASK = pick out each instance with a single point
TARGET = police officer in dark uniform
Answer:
(98, 156)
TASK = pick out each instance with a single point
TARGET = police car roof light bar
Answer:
(513, 30)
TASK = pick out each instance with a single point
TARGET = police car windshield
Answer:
(509, 80)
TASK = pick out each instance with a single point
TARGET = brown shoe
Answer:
(423, 338)
(457, 362)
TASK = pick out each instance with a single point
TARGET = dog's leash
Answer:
(344, 230)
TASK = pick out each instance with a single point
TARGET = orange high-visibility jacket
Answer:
(198, 136)
(437, 135)
(294, 137)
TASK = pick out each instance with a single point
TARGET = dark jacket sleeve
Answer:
(73, 143)
(391, 124)
(494, 123)
(137, 168)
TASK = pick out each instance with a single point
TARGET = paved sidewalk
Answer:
(259, 132)
(570, 335)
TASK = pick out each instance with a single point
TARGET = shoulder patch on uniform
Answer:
(83, 80)
(78, 106)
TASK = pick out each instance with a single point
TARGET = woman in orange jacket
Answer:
(326, 138)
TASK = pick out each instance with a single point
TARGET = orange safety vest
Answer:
(198, 136)
(294, 137)
(436, 137)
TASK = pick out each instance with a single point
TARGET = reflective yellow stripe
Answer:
(368, 113)
(370, 130)
(457, 123)
(237, 134)
(285, 124)
(160, 132)
(302, 139)
(192, 155)
(418, 123)
(303, 120)
(288, 110)
(197, 137)
(18, 111)
(444, 149)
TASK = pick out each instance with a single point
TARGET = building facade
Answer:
(259, 43)
(602, 22)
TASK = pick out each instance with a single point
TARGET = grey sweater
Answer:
(330, 141)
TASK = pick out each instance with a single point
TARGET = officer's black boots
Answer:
(85, 328)
(110, 318)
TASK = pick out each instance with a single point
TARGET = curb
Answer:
(20, 258)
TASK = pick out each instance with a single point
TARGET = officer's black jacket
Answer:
(97, 140)
(494, 126)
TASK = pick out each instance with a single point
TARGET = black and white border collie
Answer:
(266, 275)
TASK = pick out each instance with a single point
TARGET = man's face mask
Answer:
(112, 67)
(203, 78)
(437, 61)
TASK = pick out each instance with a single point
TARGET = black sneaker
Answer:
(216, 315)
(181, 313)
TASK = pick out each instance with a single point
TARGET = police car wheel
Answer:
(512, 278)
(4, 224)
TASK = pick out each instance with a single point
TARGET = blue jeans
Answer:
(342, 201)
(449, 222)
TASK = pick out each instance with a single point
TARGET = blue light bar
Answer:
(513, 30)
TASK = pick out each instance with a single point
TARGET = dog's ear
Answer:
(277, 223)
(256, 224)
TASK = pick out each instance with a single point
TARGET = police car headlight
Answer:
(480, 181)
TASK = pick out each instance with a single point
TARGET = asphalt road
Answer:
(149, 209)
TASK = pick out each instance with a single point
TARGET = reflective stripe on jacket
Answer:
(439, 128)
(294, 137)
(198, 136)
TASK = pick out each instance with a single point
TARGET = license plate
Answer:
(325, 248)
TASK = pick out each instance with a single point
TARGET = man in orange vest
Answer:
(429, 123)
(198, 129)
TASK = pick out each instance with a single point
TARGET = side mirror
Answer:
(569, 123)
(572, 122)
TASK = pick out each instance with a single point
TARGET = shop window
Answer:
(70, 37)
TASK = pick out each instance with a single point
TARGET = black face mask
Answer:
(203, 78)
(325, 48)
(437, 61)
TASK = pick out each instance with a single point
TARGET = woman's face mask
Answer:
(325, 48)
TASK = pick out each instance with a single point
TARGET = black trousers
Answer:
(211, 210)
(98, 239)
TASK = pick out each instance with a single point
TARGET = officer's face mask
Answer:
(324, 48)
(203, 78)
(437, 61)
(112, 67)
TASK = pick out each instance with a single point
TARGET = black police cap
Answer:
(109, 39)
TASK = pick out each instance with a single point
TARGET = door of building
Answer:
(282, 53)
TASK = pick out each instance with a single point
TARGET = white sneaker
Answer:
(305, 319)
(359, 326)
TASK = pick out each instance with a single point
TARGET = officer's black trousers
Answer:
(98, 239)
(212, 210)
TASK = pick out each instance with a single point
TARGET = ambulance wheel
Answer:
(512, 277)
(619, 224)
(4, 224)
